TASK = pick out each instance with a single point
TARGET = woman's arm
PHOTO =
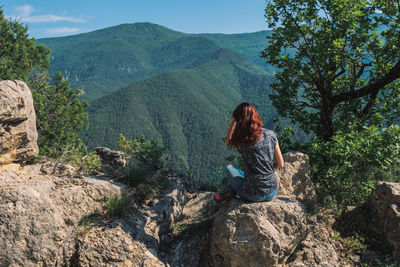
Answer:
(230, 131)
(278, 156)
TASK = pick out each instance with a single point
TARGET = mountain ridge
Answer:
(105, 60)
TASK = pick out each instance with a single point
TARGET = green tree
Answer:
(338, 69)
(60, 115)
(338, 62)
(19, 55)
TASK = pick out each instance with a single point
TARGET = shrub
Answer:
(146, 151)
(144, 182)
(146, 158)
(117, 205)
(60, 114)
(78, 155)
(346, 168)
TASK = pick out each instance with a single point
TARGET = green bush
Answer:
(346, 168)
(60, 115)
(144, 182)
(78, 155)
(146, 158)
(146, 151)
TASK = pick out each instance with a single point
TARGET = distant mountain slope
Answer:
(103, 61)
(188, 109)
(248, 45)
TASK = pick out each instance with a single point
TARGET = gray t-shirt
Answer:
(258, 165)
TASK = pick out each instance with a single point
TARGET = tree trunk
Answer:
(325, 130)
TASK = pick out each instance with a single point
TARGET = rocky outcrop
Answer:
(295, 179)
(18, 134)
(275, 233)
(41, 211)
(39, 214)
(112, 161)
(383, 210)
(379, 216)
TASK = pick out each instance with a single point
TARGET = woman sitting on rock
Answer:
(259, 147)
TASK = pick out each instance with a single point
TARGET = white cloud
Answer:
(49, 18)
(62, 30)
(24, 11)
(24, 15)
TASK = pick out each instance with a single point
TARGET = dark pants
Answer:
(236, 179)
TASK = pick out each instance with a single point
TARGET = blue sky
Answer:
(51, 18)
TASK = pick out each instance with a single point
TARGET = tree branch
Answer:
(371, 88)
(371, 101)
(338, 74)
(358, 75)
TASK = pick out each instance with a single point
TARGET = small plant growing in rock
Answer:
(117, 205)
(144, 182)
(80, 157)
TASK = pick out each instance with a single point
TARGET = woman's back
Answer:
(258, 164)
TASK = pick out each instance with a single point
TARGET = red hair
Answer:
(248, 128)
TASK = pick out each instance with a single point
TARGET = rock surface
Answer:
(111, 161)
(137, 239)
(382, 212)
(258, 234)
(39, 214)
(295, 178)
(275, 233)
(18, 134)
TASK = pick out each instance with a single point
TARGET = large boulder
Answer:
(382, 212)
(295, 178)
(276, 233)
(18, 134)
(258, 234)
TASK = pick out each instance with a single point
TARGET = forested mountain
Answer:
(102, 61)
(188, 109)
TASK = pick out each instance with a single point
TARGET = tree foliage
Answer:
(60, 114)
(338, 62)
(19, 55)
(348, 166)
